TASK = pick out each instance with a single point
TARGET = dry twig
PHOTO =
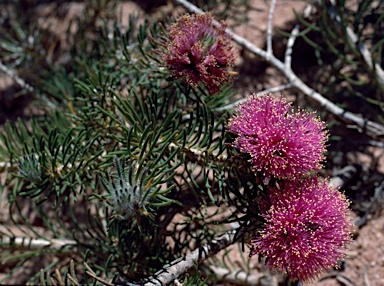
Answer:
(180, 266)
(37, 243)
(21, 82)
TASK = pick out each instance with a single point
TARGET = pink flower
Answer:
(307, 225)
(199, 52)
(281, 143)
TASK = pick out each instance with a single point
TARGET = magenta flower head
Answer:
(281, 143)
(307, 226)
(199, 52)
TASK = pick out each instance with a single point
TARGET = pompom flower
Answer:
(199, 52)
(281, 143)
(307, 225)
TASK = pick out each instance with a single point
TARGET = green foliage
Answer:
(123, 151)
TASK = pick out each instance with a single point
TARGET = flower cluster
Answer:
(281, 143)
(307, 226)
(306, 220)
(199, 52)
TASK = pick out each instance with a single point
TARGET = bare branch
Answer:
(261, 93)
(269, 27)
(372, 128)
(289, 49)
(37, 243)
(292, 39)
(180, 266)
(19, 81)
(16, 78)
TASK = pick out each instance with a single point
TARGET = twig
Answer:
(292, 39)
(16, 78)
(91, 273)
(372, 128)
(289, 49)
(261, 93)
(58, 277)
(37, 243)
(269, 27)
(180, 266)
(24, 84)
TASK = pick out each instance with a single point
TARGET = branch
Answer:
(261, 93)
(37, 243)
(180, 266)
(16, 78)
(269, 27)
(292, 39)
(372, 128)
(289, 49)
(25, 85)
